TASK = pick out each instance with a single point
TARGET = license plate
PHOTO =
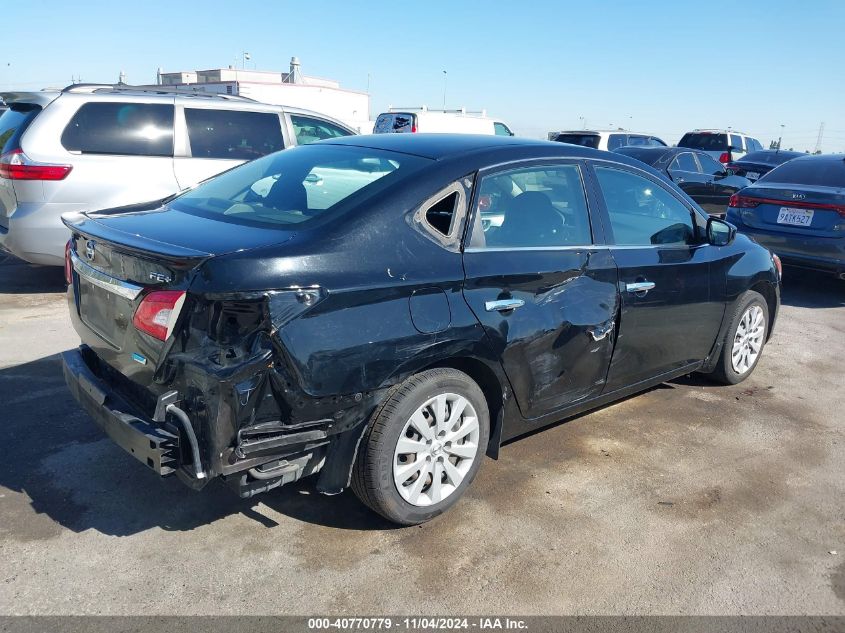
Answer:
(752, 175)
(795, 217)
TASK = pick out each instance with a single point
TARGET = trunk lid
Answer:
(808, 210)
(118, 259)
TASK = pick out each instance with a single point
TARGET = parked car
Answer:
(757, 164)
(607, 140)
(422, 120)
(798, 211)
(358, 321)
(695, 172)
(94, 146)
(723, 145)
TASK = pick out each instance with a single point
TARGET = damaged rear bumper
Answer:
(151, 445)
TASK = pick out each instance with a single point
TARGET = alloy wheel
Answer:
(748, 340)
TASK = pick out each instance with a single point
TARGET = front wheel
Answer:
(744, 340)
(423, 447)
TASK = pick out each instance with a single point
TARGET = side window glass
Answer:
(232, 134)
(128, 129)
(684, 162)
(616, 140)
(532, 208)
(501, 129)
(642, 212)
(309, 129)
(710, 166)
(736, 142)
(637, 140)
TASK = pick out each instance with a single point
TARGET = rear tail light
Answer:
(743, 202)
(158, 312)
(68, 264)
(15, 165)
(413, 129)
(725, 157)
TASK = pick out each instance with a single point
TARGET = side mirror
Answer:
(719, 232)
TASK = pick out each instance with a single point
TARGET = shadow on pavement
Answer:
(810, 289)
(19, 277)
(72, 473)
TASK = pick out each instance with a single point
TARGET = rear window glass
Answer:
(134, 129)
(684, 162)
(233, 134)
(391, 122)
(824, 172)
(585, 140)
(13, 123)
(616, 140)
(707, 142)
(769, 158)
(297, 185)
(736, 142)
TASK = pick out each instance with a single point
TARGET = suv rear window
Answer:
(233, 134)
(706, 142)
(13, 123)
(585, 140)
(128, 129)
(824, 172)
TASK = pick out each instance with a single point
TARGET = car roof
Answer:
(604, 132)
(717, 131)
(436, 146)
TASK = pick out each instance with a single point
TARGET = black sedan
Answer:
(382, 311)
(757, 164)
(702, 178)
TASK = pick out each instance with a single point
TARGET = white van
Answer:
(423, 120)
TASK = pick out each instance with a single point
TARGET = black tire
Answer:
(724, 371)
(372, 475)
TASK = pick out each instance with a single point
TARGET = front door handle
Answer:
(640, 287)
(503, 305)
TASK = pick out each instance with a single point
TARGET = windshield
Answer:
(810, 171)
(707, 142)
(297, 185)
(585, 140)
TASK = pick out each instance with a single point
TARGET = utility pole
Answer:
(445, 77)
(780, 138)
(818, 149)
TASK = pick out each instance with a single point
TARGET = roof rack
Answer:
(90, 88)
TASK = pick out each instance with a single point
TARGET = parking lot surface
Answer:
(690, 498)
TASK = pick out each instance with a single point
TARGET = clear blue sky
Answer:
(663, 67)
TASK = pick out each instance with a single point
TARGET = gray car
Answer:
(91, 147)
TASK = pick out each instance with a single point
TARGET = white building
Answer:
(291, 89)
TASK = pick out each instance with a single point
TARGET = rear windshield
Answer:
(824, 172)
(648, 156)
(707, 142)
(393, 122)
(297, 185)
(769, 158)
(585, 140)
(13, 122)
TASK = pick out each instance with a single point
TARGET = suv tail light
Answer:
(68, 265)
(15, 165)
(725, 157)
(742, 202)
(158, 312)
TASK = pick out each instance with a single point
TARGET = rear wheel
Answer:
(423, 447)
(744, 340)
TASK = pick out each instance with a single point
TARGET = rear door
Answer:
(218, 139)
(541, 284)
(671, 306)
(720, 185)
(123, 153)
(685, 173)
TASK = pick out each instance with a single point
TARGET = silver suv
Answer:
(92, 147)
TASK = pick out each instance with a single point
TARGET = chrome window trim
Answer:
(104, 281)
(590, 247)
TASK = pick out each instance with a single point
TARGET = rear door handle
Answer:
(640, 287)
(503, 305)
